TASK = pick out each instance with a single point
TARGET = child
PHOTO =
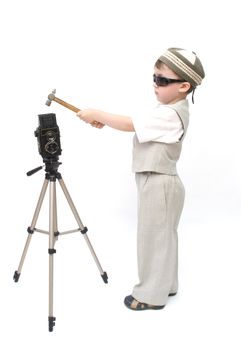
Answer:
(157, 147)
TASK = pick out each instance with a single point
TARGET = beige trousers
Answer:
(160, 203)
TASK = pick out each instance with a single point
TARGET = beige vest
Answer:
(160, 157)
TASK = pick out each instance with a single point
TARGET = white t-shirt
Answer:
(160, 125)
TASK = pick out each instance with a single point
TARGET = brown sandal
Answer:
(136, 305)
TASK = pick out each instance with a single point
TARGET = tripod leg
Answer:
(31, 230)
(56, 232)
(52, 224)
(83, 229)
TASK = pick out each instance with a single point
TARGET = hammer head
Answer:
(51, 97)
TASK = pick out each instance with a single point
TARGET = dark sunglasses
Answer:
(162, 81)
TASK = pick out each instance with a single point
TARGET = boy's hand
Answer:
(89, 116)
(97, 125)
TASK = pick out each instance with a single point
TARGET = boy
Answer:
(157, 147)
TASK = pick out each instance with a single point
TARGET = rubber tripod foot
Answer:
(16, 276)
(105, 277)
(51, 323)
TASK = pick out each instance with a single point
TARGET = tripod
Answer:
(51, 175)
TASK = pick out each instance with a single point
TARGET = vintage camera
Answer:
(48, 137)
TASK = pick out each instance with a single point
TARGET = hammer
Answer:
(52, 97)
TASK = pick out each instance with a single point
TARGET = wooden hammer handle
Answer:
(67, 105)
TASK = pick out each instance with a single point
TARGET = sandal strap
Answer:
(134, 304)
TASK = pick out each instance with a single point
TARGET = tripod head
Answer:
(51, 167)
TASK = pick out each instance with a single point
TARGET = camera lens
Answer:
(51, 147)
(50, 135)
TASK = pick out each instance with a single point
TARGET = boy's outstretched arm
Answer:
(114, 121)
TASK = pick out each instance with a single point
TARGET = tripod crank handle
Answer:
(31, 172)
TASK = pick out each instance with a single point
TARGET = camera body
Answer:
(48, 136)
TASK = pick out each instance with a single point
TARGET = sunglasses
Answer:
(162, 81)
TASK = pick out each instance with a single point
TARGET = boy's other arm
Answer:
(114, 121)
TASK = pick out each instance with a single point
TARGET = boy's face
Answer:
(170, 93)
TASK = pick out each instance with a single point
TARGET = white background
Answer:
(101, 54)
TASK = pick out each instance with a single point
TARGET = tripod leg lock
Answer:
(105, 277)
(29, 230)
(16, 276)
(84, 230)
(52, 251)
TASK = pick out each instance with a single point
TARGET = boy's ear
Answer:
(184, 87)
